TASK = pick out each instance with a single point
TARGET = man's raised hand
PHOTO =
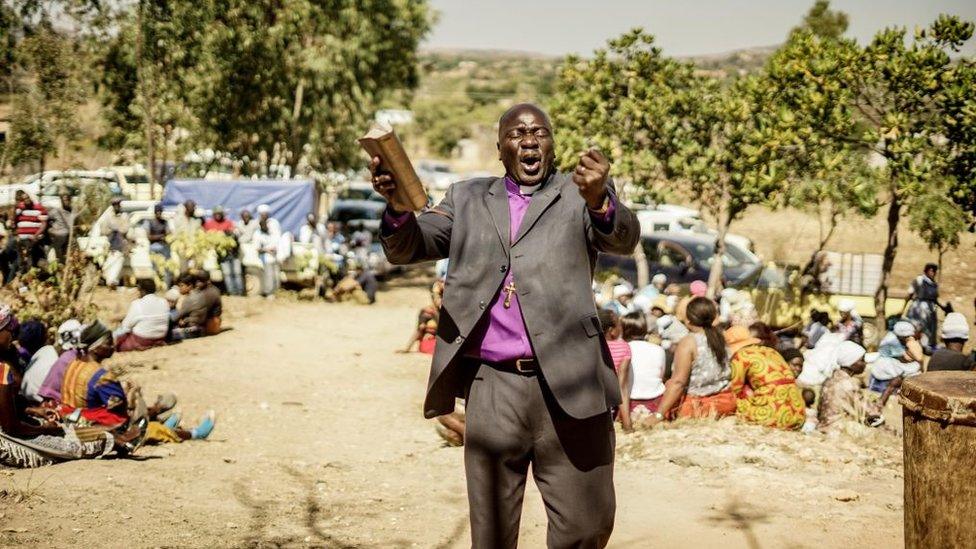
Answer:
(590, 177)
(383, 182)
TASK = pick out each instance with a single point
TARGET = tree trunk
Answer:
(296, 113)
(724, 220)
(891, 248)
(640, 259)
(145, 89)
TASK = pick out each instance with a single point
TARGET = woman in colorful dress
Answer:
(763, 383)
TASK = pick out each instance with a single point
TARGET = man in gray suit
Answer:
(518, 335)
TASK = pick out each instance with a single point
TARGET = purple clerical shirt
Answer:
(502, 335)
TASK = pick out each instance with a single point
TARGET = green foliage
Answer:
(49, 92)
(56, 293)
(31, 138)
(629, 100)
(193, 249)
(442, 123)
(939, 221)
(900, 99)
(823, 22)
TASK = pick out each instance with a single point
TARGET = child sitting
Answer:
(809, 399)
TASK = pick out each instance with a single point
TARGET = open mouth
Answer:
(531, 163)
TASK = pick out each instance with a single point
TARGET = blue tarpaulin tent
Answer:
(290, 201)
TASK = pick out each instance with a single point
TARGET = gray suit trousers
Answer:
(512, 421)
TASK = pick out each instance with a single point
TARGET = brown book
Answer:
(410, 195)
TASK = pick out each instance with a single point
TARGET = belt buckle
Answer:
(520, 369)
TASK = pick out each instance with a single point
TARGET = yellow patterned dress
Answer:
(765, 389)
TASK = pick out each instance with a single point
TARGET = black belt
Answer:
(523, 366)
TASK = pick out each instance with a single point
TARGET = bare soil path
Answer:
(320, 442)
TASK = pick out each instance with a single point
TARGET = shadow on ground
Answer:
(314, 513)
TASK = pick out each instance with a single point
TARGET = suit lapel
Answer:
(497, 202)
(539, 204)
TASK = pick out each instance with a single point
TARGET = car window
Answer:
(671, 254)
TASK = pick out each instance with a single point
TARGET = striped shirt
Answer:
(619, 351)
(29, 219)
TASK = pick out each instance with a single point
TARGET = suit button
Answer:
(458, 339)
(481, 305)
(503, 268)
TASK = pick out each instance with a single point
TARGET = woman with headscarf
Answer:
(103, 400)
(69, 333)
(699, 383)
(27, 441)
(88, 386)
(763, 383)
(899, 356)
(840, 397)
(850, 326)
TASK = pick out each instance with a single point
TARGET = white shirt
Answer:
(148, 317)
(37, 370)
(647, 364)
(820, 362)
(314, 236)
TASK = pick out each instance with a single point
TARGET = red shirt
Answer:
(222, 226)
(29, 219)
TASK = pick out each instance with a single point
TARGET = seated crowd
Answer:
(694, 357)
(60, 402)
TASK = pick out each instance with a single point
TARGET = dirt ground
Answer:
(320, 442)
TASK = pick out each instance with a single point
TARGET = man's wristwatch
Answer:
(659, 416)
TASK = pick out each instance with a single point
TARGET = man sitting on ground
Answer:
(191, 315)
(215, 307)
(147, 322)
(955, 333)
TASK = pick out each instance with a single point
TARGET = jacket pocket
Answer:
(591, 325)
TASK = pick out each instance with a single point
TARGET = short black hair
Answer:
(820, 316)
(931, 266)
(146, 285)
(187, 278)
(203, 275)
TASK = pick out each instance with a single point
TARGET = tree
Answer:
(633, 100)
(304, 76)
(939, 221)
(628, 100)
(665, 127)
(848, 186)
(823, 22)
(291, 80)
(48, 94)
(901, 101)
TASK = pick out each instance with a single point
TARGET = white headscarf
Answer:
(69, 334)
(848, 353)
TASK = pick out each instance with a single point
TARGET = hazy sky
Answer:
(682, 27)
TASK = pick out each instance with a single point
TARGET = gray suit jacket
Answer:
(552, 259)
